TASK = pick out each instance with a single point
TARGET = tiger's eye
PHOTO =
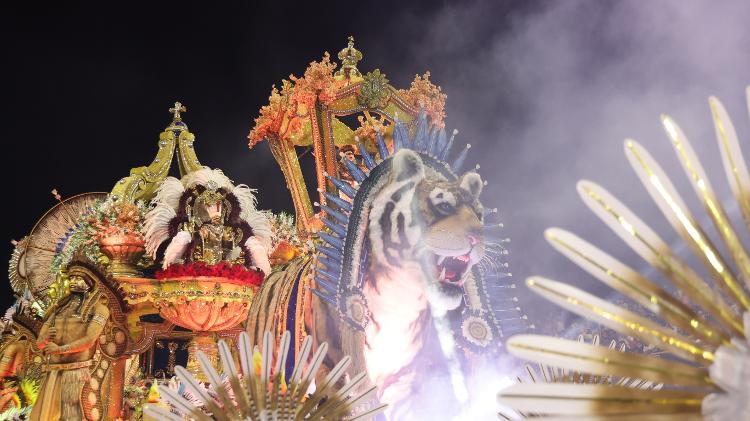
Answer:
(445, 207)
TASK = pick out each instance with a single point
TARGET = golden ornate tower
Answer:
(176, 139)
(307, 112)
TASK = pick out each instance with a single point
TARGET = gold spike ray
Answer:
(644, 241)
(634, 417)
(679, 399)
(621, 320)
(702, 186)
(675, 210)
(603, 361)
(566, 399)
(731, 156)
(633, 285)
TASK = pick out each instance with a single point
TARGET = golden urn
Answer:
(205, 305)
(124, 251)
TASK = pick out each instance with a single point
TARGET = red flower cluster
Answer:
(236, 274)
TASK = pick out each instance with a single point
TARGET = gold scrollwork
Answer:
(142, 182)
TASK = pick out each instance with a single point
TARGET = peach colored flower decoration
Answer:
(287, 109)
(423, 94)
(118, 219)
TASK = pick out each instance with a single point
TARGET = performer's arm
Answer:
(47, 332)
(93, 330)
(176, 248)
(259, 254)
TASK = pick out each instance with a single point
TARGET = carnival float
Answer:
(179, 298)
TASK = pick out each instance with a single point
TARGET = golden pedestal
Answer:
(204, 305)
(204, 342)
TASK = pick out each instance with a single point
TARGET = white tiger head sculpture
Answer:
(421, 218)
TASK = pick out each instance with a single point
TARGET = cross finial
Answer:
(349, 57)
(176, 110)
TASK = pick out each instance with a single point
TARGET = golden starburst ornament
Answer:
(709, 378)
(552, 371)
(260, 390)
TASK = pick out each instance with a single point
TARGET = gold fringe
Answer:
(71, 382)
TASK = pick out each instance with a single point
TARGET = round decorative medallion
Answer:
(477, 331)
(356, 309)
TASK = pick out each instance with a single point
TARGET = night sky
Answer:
(88, 87)
(545, 91)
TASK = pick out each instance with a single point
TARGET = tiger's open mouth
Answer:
(452, 269)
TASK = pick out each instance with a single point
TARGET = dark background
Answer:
(545, 91)
(87, 87)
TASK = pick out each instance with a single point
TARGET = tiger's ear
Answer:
(472, 182)
(407, 165)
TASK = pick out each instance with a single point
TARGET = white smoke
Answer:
(547, 96)
(549, 99)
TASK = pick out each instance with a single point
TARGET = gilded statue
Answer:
(207, 220)
(67, 340)
(13, 355)
(213, 240)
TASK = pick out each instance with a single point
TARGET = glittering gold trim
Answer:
(618, 319)
(633, 285)
(679, 216)
(647, 244)
(592, 359)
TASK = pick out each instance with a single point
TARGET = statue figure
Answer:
(67, 340)
(213, 240)
(19, 332)
(13, 355)
(209, 221)
(347, 152)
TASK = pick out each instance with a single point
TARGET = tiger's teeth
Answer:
(440, 261)
(442, 275)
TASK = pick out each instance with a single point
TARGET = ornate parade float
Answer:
(384, 274)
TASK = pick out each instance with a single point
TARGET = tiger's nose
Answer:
(473, 239)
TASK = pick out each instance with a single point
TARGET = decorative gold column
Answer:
(286, 156)
(204, 342)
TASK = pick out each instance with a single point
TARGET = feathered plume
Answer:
(204, 175)
(257, 220)
(176, 248)
(157, 221)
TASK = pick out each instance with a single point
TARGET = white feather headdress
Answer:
(167, 201)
